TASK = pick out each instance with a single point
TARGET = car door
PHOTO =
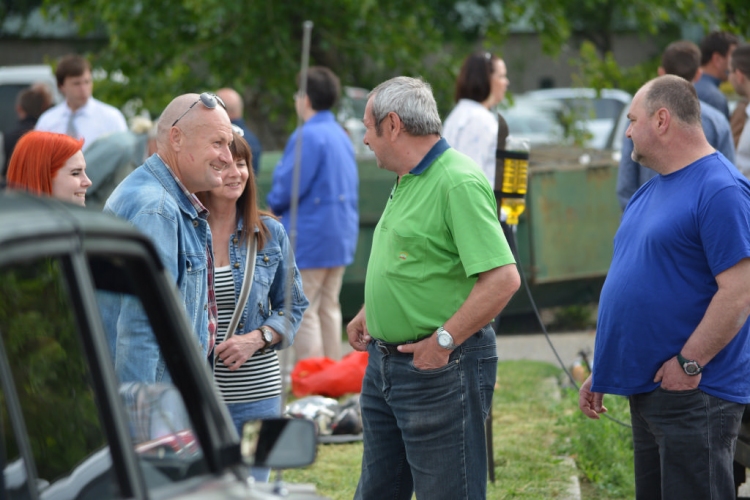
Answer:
(69, 429)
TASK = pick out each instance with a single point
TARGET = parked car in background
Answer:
(69, 429)
(14, 79)
(558, 116)
(351, 110)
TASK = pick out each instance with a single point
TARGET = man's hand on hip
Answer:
(673, 377)
(428, 355)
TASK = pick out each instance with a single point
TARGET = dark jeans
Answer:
(424, 429)
(684, 445)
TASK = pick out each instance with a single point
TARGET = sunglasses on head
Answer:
(208, 100)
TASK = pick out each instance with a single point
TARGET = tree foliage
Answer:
(177, 46)
(50, 375)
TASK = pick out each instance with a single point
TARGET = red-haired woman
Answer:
(45, 163)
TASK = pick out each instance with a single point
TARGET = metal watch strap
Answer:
(443, 332)
(264, 330)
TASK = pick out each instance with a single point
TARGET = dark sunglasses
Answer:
(208, 100)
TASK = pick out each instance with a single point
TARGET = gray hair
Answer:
(677, 95)
(412, 100)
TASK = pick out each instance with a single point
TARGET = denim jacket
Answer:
(265, 304)
(151, 200)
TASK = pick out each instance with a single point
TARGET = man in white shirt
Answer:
(739, 75)
(80, 115)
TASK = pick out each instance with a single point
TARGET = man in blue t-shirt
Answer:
(672, 330)
(681, 58)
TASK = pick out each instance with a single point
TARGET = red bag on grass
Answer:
(325, 377)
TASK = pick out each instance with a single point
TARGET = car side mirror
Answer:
(279, 443)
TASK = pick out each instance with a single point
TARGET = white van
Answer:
(14, 79)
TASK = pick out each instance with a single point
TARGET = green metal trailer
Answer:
(564, 237)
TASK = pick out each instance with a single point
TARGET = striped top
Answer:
(259, 377)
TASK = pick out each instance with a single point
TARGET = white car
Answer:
(554, 116)
(351, 109)
(14, 79)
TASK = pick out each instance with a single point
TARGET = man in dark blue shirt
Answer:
(716, 49)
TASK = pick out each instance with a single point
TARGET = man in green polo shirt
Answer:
(440, 270)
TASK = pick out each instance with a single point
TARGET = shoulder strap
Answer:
(247, 283)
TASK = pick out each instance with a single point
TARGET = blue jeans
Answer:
(684, 443)
(242, 412)
(424, 430)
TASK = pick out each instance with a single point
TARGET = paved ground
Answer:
(536, 347)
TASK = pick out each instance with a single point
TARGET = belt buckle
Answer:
(385, 348)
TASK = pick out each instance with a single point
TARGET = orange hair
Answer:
(36, 159)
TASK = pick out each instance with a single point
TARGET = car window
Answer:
(8, 116)
(15, 477)
(46, 381)
(609, 109)
(160, 428)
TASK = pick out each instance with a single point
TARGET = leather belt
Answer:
(390, 348)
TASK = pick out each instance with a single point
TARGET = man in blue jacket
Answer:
(327, 219)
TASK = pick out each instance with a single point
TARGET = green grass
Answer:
(532, 428)
(602, 449)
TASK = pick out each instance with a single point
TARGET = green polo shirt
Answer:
(438, 231)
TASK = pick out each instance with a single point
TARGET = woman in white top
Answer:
(471, 127)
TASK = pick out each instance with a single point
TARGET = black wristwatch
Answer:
(689, 366)
(267, 335)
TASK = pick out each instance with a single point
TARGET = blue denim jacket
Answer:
(265, 304)
(151, 200)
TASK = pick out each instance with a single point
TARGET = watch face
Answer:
(444, 339)
(267, 336)
(691, 368)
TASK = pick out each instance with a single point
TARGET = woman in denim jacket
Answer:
(247, 370)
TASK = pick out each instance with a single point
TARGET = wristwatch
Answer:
(689, 366)
(445, 339)
(267, 335)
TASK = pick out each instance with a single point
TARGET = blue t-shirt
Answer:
(677, 233)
